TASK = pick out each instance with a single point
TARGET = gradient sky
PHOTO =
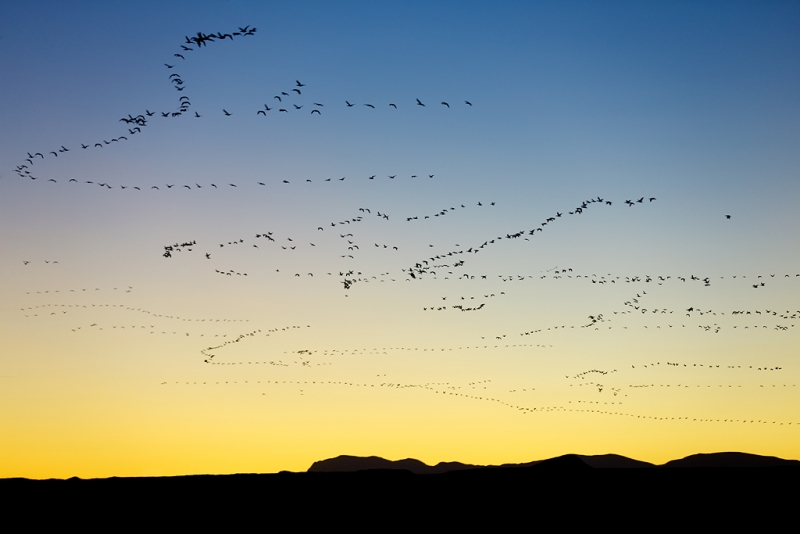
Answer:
(578, 347)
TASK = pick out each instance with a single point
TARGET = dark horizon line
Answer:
(345, 464)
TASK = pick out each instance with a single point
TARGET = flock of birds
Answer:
(449, 263)
(135, 123)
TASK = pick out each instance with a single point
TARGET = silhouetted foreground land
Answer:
(736, 481)
(549, 495)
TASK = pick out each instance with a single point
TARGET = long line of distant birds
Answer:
(61, 307)
(128, 289)
(678, 366)
(594, 320)
(209, 353)
(166, 186)
(611, 408)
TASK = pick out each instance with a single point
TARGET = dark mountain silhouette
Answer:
(614, 461)
(598, 461)
(350, 464)
(731, 459)
(569, 463)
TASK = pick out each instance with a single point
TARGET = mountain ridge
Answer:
(349, 464)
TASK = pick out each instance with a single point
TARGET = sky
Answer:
(453, 231)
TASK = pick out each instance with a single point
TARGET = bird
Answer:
(300, 84)
(420, 103)
(446, 104)
(394, 106)
(227, 114)
(727, 216)
(316, 111)
(370, 106)
(349, 105)
(467, 102)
